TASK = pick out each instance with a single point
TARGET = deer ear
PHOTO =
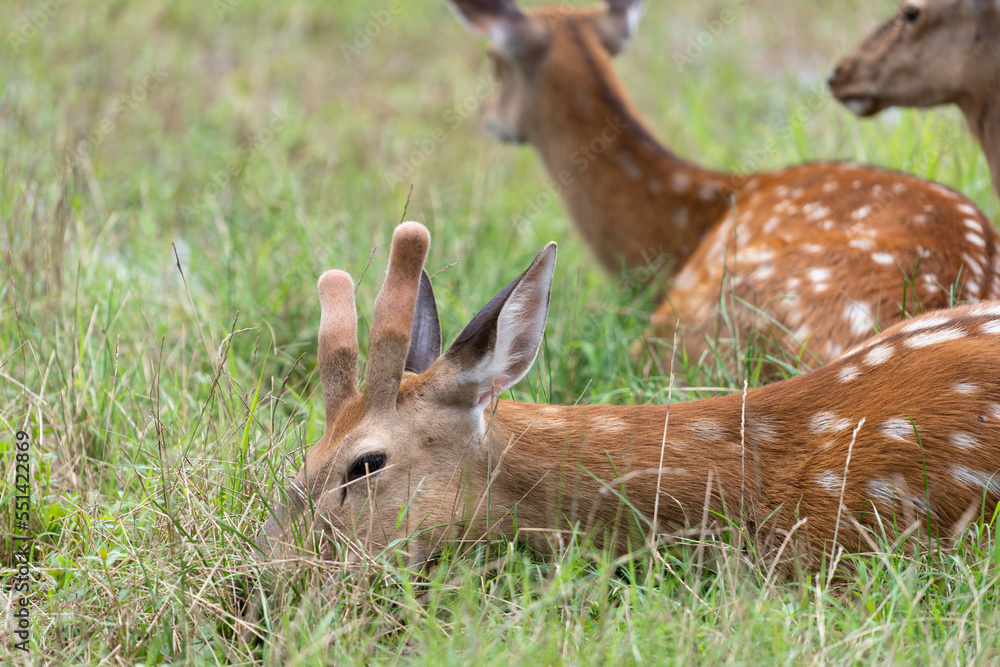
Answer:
(618, 24)
(500, 344)
(425, 338)
(515, 35)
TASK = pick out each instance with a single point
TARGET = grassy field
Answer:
(174, 176)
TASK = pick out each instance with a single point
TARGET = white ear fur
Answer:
(618, 25)
(519, 331)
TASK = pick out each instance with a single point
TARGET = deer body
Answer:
(909, 421)
(879, 244)
(931, 52)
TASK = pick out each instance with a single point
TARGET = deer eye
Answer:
(366, 465)
(911, 13)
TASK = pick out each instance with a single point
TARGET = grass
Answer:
(159, 320)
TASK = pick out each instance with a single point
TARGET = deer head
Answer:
(930, 52)
(396, 460)
(529, 50)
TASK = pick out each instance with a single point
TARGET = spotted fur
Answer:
(915, 409)
(878, 234)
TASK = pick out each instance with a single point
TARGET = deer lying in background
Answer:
(427, 455)
(929, 53)
(820, 253)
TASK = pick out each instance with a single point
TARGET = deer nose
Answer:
(832, 79)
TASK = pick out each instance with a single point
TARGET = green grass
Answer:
(167, 408)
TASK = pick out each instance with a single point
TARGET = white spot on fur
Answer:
(883, 258)
(974, 288)
(859, 317)
(881, 490)
(861, 213)
(707, 430)
(614, 424)
(803, 333)
(755, 255)
(968, 210)
(920, 219)
(991, 328)
(826, 422)
(680, 182)
(818, 274)
(974, 225)
(830, 186)
(861, 244)
(763, 273)
(968, 477)
(879, 354)
(964, 388)
(987, 309)
(815, 211)
(761, 429)
(898, 188)
(708, 191)
(963, 440)
(771, 224)
(834, 350)
(897, 428)
(848, 373)
(975, 239)
(829, 481)
(973, 265)
(924, 323)
(933, 337)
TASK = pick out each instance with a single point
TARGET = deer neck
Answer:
(983, 117)
(562, 467)
(633, 200)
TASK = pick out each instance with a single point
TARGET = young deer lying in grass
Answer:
(931, 52)
(820, 252)
(907, 422)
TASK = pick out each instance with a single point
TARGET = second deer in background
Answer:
(928, 54)
(819, 254)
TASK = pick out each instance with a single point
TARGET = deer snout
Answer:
(831, 80)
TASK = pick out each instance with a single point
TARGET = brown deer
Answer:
(931, 52)
(820, 254)
(428, 456)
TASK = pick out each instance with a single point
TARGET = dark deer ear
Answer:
(514, 34)
(425, 338)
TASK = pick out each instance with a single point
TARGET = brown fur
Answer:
(946, 53)
(636, 202)
(528, 472)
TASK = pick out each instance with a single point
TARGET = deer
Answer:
(812, 257)
(429, 456)
(931, 53)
